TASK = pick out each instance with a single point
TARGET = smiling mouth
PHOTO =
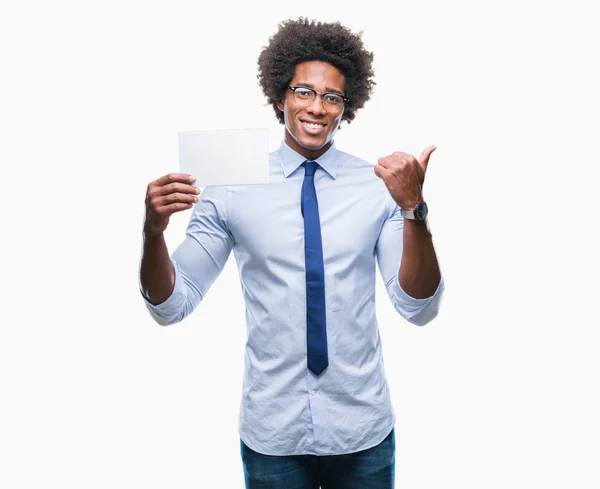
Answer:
(312, 127)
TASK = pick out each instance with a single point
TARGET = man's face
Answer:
(312, 142)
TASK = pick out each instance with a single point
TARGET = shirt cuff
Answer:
(404, 297)
(164, 311)
(417, 311)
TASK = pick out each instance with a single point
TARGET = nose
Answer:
(317, 106)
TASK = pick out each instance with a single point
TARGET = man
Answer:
(316, 408)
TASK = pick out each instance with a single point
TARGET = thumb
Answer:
(424, 158)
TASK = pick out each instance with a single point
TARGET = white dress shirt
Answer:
(285, 409)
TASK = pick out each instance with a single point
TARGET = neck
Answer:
(309, 154)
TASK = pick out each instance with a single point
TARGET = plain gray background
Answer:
(499, 391)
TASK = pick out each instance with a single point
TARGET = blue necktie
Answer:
(316, 333)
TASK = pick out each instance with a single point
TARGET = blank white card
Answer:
(225, 157)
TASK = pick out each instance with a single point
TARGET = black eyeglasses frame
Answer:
(293, 89)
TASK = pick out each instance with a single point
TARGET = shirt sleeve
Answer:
(199, 259)
(389, 254)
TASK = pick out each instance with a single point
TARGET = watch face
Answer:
(421, 211)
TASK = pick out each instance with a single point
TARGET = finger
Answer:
(175, 177)
(381, 171)
(167, 210)
(173, 188)
(424, 158)
(176, 197)
(384, 162)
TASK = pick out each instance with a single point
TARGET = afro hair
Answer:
(297, 41)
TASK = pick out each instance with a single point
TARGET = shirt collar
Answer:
(290, 160)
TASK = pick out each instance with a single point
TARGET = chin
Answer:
(311, 144)
(307, 141)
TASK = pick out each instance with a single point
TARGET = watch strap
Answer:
(408, 214)
(418, 214)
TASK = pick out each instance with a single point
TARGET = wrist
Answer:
(412, 226)
(152, 235)
(417, 213)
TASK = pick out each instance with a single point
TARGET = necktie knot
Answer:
(310, 167)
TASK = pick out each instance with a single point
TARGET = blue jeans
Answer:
(372, 468)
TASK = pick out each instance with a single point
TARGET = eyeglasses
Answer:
(332, 102)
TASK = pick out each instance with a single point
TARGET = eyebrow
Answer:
(327, 89)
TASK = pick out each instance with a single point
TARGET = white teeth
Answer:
(313, 126)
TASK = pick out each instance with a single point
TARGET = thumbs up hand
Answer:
(404, 175)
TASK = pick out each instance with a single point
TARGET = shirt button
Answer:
(314, 393)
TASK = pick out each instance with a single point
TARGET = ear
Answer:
(280, 105)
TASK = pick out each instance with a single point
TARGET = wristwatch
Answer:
(419, 214)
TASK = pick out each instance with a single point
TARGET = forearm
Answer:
(419, 274)
(157, 274)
